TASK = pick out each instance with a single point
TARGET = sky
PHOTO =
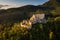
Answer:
(17, 3)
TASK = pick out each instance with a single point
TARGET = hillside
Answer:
(12, 15)
(10, 19)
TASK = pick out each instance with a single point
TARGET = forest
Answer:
(11, 18)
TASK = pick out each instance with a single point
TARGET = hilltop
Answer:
(15, 21)
(12, 15)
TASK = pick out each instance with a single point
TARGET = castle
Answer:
(34, 19)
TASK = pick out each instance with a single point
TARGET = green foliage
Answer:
(10, 28)
(56, 11)
(37, 32)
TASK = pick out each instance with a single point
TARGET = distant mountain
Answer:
(13, 22)
(2, 5)
(52, 3)
(25, 12)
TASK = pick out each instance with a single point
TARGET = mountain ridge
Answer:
(25, 12)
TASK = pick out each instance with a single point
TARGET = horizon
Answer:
(19, 3)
